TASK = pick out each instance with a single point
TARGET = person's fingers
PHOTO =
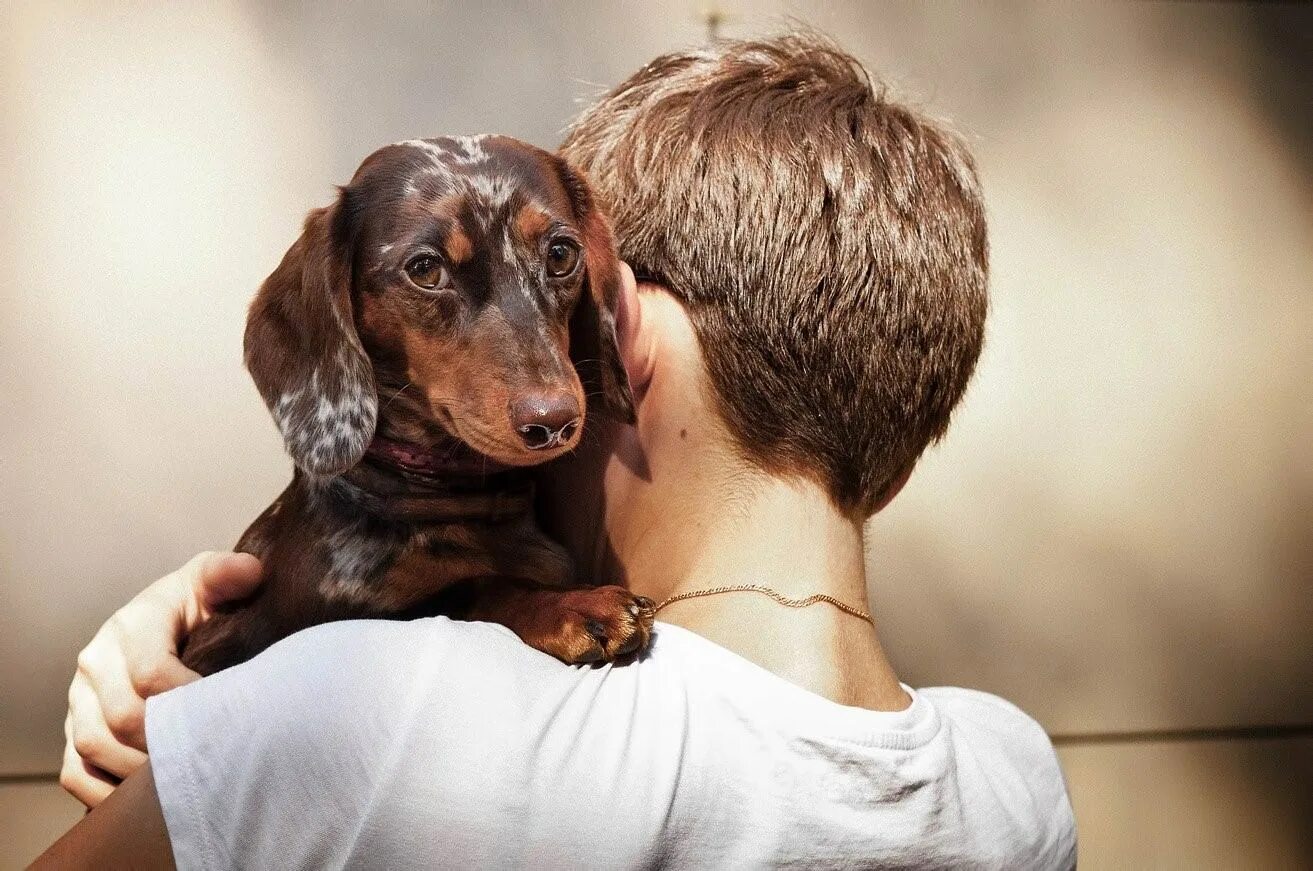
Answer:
(79, 779)
(216, 578)
(102, 694)
(91, 737)
(150, 629)
(134, 656)
(152, 663)
(147, 633)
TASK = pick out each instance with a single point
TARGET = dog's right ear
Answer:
(594, 346)
(305, 356)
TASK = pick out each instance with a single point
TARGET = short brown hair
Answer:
(828, 244)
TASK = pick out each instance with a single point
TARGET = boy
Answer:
(812, 263)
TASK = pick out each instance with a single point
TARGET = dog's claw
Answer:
(595, 624)
(589, 624)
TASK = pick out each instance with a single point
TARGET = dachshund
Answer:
(427, 342)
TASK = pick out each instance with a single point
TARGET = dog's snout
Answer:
(545, 420)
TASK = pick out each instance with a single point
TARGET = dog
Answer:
(427, 342)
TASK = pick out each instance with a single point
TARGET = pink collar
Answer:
(451, 457)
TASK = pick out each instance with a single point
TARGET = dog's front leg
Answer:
(576, 625)
(532, 590)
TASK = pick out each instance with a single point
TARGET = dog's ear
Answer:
(594, 349)
(303, 352)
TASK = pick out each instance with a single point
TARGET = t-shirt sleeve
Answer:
(1010, 786)
(275, 763)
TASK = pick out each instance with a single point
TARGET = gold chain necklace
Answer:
(778, 597)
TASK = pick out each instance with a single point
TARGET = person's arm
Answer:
(339, 731)
(286, 759)
(132, 657)
(125, 831)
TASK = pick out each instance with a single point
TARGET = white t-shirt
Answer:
(442, 744)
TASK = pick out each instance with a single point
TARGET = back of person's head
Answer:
(828, 244)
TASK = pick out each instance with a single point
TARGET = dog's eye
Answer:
(562, 258)
(428, 272)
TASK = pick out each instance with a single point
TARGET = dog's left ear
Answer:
(594, 348)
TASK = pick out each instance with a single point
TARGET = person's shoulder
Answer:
(985, 724)
(370, 640)
(433, 651)
(349, 665)
(1002, 752)
(977, 710)
(338, 711)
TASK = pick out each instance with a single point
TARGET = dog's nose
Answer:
(545, 420)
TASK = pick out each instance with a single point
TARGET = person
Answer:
(809, 305)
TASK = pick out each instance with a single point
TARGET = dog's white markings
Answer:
(495, 190)
(508, 250)
(469, 150)
(433, 149)
(327, 431)
(356, 557)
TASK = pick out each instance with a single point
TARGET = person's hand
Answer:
(133, 657)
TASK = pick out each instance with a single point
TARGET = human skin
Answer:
(664, 506)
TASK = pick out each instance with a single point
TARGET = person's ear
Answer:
(304, 355)
(633, 334)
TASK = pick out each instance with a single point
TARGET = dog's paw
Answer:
(596, 624)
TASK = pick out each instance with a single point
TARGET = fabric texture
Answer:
(442, 744)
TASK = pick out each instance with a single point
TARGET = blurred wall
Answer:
(1116, 533)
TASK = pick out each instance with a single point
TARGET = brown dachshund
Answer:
(428, 340)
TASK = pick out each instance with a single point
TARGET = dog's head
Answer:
(458, 287)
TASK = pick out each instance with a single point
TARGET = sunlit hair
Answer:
(828, 243)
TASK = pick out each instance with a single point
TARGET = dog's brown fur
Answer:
(404, 405)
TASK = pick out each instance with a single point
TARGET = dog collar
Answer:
(449, 458)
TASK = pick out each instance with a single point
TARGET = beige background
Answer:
(1116, 534)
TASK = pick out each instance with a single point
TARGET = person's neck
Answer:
(712, 529)
(695, 517)
(785, 538)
